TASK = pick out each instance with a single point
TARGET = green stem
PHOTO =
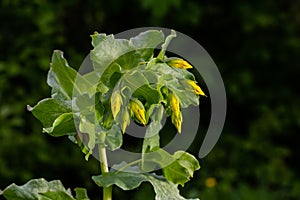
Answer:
(107, 191)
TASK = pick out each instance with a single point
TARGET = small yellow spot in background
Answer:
(210, 182)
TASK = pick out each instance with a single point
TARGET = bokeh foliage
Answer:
(255, 44)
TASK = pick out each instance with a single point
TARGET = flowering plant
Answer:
(127, 83)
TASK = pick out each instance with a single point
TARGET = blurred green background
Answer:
(255, 44)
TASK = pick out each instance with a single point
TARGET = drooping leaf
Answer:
(177, 168)
(164, 189)
(182, 169)
(37, 189)
(124, 180)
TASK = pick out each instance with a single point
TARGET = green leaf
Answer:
(151, 140)
(81, 194)
(126, 53)
(63, 125)
(107, 50)
(166, 44)
(164, 189)
(57, 92)
(113, 138)
(64, 74)
(97, 38)
(37, 189)
(177, 168)
(91, 129)
(106, 77)
(124, 180)
(182, 169)
(112, 55)
(55, 195)
(47, 110)
(146, 41)
(68, 79)
(174, 79)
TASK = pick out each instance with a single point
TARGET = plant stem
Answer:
(107, 191)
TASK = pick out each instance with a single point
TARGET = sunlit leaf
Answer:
(37, 189)
(164, 189)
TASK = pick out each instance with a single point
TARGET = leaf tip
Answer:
(29, 108)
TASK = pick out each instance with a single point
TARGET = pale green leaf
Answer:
(146, 41)
(33, 190)
(166, 44)
(107, 50)
(164, 189)
(182, 168)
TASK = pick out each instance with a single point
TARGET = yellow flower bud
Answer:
(116, 102)
(175, 108)
(125, 120)
(177, 121)
(179, 63)
(196, 88)
(174, 104)
(138, 111)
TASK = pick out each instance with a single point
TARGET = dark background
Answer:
(255, 44)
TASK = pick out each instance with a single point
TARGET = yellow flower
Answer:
(179, 63)
(196, 88)
(116, 102)
(210, 182)
(138, 111)
(175, 108)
